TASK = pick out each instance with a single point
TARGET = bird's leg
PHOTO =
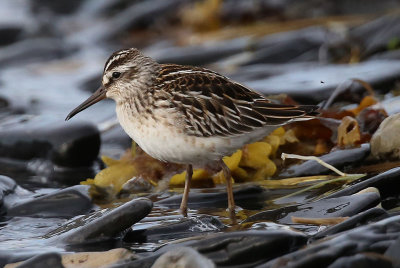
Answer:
(229, 190)
(189, 173)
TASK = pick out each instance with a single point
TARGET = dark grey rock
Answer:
(185, 227)
(102, 225)
(279, 48)
(68, 203)
(376, 238)
(317, 84)
(393, 253)
(201, 54)
(386, 182)
(235, 249)
(377, 34)
(365, 217)
(324, 208)
(44, 260)
(33, 50)
(71, 144)
(338, 159)
(364, 260)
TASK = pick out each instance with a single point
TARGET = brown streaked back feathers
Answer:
(214, 105)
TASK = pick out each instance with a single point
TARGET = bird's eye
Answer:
(116, 74)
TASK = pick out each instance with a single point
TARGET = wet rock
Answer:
(67, 203)
(102, 225)
(278, 48)
(338, 159)
(250, 197)
(393, 253)
(376, 35)
(363, 218)
(246, 248)
(376, 237)
(200, 54)
(306, 85)
(66, 144)
(185, 227)
(387, 183)
(385, 142)
(33, 50)
(184, 258)
(58, 7)
(365, 260)
(141, 14)
(43, 260)
(325, 208)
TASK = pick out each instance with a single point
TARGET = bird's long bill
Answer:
(97, 96)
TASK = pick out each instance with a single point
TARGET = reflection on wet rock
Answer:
(338, 159)
(102, 225)
(184, 257)
(387, 183)
(363, 218)
(184, 227)
(365, 260)
(325, 208)
(67, 203)
(74, 144)
(318, 83)
(376, 237)
(247, 248)
(246, 197)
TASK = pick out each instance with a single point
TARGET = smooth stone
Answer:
(72, 144)
(247, 248)
(318, 83)
(338, 159)
(375, 238)
(385, 142)
(278, 48)
(364, 260)
(200, 54)
(387, 183)
(139, 15)
(67, 203)
(377, 34)
(183, 257)
(34, 50)
(183, 228)
(324, 208)
(44, 260)
(393, 253)
(102, 225)
(362, 218)
(247, 197)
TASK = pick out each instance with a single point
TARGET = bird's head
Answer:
(125, 72)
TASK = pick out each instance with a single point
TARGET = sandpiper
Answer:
(188, 115)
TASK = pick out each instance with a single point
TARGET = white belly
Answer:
(167, 143)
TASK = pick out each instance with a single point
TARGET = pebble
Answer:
(183, 257)
(385, 142)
